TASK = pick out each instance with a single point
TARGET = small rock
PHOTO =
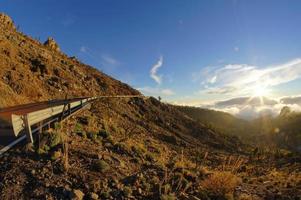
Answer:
(56, 155)
(243, 168)
(29, 148)
(77, 195)
(94, 196)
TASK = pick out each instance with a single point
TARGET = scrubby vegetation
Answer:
(220, 184)
(109, 164)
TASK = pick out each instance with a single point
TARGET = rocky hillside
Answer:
(123, 148)
(31, 71)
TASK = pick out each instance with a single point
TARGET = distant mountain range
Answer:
(283, 130)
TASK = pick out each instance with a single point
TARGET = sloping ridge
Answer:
(32, 71)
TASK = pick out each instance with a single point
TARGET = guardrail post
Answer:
(28, 129)
(69, 109)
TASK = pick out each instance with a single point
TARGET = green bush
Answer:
(56, 155)
(104, 134)
(150, 157)
(101, 166)
(82, 134)
(55, 139)
(166, 189)
(57, 126)
(46, 147)
(41, 151)
(78, 128)
(127, 191)
(139, 151)
(168, 197)
(122, 148)
(92, 135)
(109, 140)
(105, 195)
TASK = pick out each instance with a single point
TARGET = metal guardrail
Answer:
(27, 123)
(25, 120)
(19, 122)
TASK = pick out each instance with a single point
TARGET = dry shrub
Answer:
(220, 183)
(245, 197)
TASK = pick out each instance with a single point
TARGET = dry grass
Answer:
(220, 183)
(233, 163)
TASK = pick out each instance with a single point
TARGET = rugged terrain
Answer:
(123, 148)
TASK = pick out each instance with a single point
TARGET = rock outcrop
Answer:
(51, 43)
(6, 21)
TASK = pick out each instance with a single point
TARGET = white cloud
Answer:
(83, 49)
(253, 107)
(154, 70)
(157, 91)
(213, 79)
(107, 59)
(246, 107)
(291, 100)
(236, 49)
(242, 79)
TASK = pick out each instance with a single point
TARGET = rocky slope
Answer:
(31, 71)
(122, 148)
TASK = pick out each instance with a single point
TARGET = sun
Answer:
(260, 91)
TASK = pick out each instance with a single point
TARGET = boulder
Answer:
(51, 43)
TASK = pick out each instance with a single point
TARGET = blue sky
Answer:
(202, 51)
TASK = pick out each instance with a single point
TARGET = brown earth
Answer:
(123, 149)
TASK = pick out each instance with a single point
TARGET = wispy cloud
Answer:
(291, 100)
(107, 59)
(236, 49)
(156, 91)
(83, 49)
(159, 90)
(154, 70)
(107, 62)
(68, 20)
(242, 79)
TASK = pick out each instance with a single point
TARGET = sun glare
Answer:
(260, 91)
